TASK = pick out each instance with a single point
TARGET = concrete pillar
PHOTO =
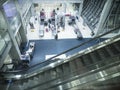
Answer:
(80, 8)
(65, 6)
(104, 14)
(33, 10)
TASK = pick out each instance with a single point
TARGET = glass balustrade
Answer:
(4, 41)
(12, 15)
(113, 19)
(2, 45)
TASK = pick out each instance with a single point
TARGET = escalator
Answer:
(85, 70)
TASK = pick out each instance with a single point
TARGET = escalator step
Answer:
(114, 49)
(87, 59)
(95, 57)
(32, 83)
(79, 63)
(47, 75)
(35, 78)
(73, 66)
(103, 53)
(11, 87)
(117, 47)
(100, 54)
(80, 67)
(66, 68)
(59, 71)
(109, 51)
(53, 73)
(25, 85)
(41, 77)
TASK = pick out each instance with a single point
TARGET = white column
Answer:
(80, 8)
(103, 17)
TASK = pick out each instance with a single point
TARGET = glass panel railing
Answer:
(15, 24)
(113, 19)
(2, 45)
(7, 38)
(4, 42)
(12, 15)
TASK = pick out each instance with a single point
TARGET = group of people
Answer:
(54, 22)
(56, 17)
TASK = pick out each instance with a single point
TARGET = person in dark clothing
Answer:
(53, 13)
(31, 25)
(49, 22)
(56, 36)
(42, 13)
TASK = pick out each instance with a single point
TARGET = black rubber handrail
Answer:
(96, 37)
(82, 74)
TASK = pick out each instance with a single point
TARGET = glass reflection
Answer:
(2, 44)
(4, 41)
(113, 20)
(12, 14)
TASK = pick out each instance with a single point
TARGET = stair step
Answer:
(116, 46)
(25, 85)
(87, 60)
(78, 62)
(113, 49)
(118, 43)
(106, 54)
(35, 78)
(53, 73)
(32, 83)
(41, 77)
(103, 53)
(73, 66)
(109, 51)
(95, 56)
(80, 67)
(12, 86)
(59, 71)
(66, 68)
(47, 75)
(24, 81)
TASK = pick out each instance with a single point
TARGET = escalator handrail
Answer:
(94, 64)
(82, 74)
(96, 37)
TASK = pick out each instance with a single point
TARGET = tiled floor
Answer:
(67, 33)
